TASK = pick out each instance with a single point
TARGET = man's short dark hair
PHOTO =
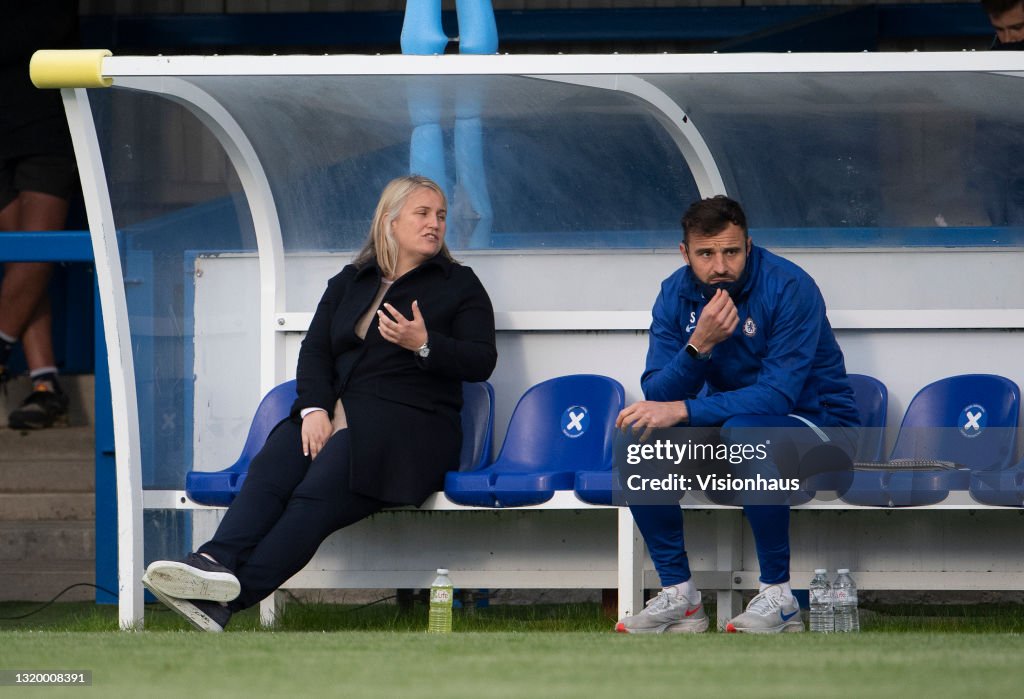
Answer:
(711, 216)
(994, 8)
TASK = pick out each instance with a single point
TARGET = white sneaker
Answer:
(202, 614)
(769, 612)
(195, 577)
(669, 612)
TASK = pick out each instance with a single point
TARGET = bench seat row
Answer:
(958, 434)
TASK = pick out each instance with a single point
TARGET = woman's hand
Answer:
(394, 327)
(316, 430)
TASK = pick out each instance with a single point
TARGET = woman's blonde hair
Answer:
(380, 245)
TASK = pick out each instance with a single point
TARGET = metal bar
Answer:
(117, 334)
(631, 552)
(46, 246)
(632, 64)
(566, 500)
(840, 319)
(562, 500)
(729, 546)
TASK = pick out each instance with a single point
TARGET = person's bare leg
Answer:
(25, 283)
(25, 309)
(40, 212)
(9, 215)
(37, 339)
(23, 289)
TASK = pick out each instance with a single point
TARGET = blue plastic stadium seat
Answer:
(477, 425)
(999, 487)
(872, 398)
(969, 420)
(597, 487)
(559, 427)
(221, 487)
(873, 408)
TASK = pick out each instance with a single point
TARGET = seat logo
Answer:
(972, 421)
(575, 421)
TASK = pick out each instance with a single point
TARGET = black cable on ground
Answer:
(55, 598)
(370, 604)
(296, 600)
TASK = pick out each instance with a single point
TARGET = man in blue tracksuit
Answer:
(750, 327)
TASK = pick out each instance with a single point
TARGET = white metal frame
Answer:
(117, 335)
(112, 296)
(873, 319)
(648, 64)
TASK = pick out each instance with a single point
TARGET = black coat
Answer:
(402, 410)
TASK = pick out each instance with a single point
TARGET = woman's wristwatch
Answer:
(424, 350)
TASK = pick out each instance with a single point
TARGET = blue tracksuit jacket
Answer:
(782, 358)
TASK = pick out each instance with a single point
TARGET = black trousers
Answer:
(287, 506)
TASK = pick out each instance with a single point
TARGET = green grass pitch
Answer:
(542, 651)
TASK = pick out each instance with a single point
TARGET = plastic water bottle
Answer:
(845, 594)
(440, 620)
(822, 611)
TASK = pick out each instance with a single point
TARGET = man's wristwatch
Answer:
(424, 350)
(692, 350)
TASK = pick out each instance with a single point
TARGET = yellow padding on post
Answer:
(53, 68)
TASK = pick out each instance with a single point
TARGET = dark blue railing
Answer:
(76, 246)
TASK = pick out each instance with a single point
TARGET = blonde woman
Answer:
(376, 422)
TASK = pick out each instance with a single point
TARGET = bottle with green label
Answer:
(440, 620)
